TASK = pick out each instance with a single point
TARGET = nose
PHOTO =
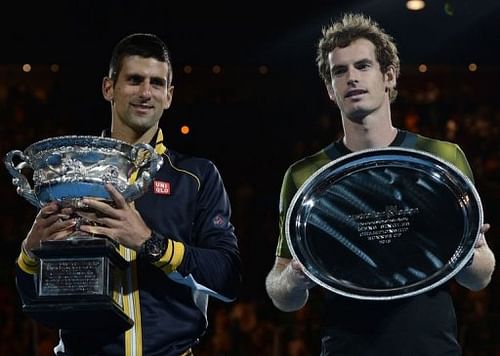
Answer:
(352, 76)
(145, 89)
(352, 82)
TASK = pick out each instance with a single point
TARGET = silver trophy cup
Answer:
(80, 279)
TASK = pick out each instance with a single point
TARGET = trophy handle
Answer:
(147, 163)
(24, 188)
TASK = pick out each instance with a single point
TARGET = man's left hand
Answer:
(121, 223)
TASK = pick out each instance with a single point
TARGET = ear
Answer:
(170, 94)
(331, 91)
(107, 89)
(390, 78)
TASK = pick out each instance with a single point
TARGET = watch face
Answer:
(154, 248)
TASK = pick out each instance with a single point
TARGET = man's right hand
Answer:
(298, 278)
(287, 285)
(51, 223)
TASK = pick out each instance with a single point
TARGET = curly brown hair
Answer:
(350, 28)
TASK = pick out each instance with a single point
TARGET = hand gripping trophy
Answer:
(80, 278)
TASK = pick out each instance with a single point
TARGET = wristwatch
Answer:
(154, 247)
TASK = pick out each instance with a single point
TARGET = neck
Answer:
(371, 132)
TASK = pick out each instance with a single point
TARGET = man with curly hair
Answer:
(359, 64)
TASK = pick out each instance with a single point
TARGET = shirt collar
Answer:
(158, 144)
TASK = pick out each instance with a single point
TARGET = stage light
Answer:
(422, 68)
(185, 129)
(216, 69)
(263, 69)
(472, 67)
(188, 69)
(54, 68)
(415, 5)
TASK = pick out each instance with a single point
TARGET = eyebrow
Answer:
(158, 80)
(364, 61)
(361, 61)
(154, 80)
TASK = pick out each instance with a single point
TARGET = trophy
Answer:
(80, 281)
(383, 224)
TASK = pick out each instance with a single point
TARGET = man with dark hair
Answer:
(195, 252)
(359, 64)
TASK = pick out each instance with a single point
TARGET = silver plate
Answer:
(383, 224)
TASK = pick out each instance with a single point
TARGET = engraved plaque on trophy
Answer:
(384, 224)
(80, 280)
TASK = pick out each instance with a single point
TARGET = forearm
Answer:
(478, 275)
(284, 292)
(218, 269)
(26, 260)
(25, 284)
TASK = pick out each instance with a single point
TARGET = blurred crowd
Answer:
(251, 325)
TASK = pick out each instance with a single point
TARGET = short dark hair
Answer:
(145, 45)
(350, 28)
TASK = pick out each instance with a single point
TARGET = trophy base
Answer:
(80, 285)
(73, 315)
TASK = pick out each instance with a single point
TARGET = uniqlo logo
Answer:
(161, 187)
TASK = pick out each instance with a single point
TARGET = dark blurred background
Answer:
(247, 87)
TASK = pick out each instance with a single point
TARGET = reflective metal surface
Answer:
(82, 278)
(384, 224)
(67, 168)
